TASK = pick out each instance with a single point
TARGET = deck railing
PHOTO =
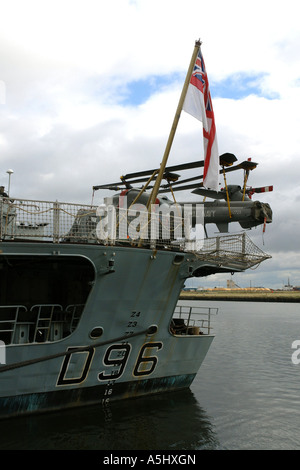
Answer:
(61, 222)
(193, 320)
(39, 323)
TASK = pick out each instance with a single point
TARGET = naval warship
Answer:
(89, 295)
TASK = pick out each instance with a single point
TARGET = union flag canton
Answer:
(197, 78)
(200, 80)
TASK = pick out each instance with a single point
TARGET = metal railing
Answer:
(41, 323)
(45, 220)
(8, 321)
(193, 320)
(61, 222)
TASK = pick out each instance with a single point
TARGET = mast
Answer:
(156, 186)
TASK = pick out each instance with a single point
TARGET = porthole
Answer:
(152, 330)
(96, 332)
(178, 259)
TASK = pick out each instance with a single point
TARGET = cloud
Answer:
(91, 88)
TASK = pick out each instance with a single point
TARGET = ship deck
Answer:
(65, 223)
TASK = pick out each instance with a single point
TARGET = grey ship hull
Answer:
(132, 289)
(85, 321)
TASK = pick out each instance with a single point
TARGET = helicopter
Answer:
(233, 203)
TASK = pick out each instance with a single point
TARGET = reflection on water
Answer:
(248, 383)
(170, 421)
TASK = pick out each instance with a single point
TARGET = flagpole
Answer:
(155, 189)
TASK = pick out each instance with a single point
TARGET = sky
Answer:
(89, 89)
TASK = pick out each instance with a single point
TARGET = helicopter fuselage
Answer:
(247, 213)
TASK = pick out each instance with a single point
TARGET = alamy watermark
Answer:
(173, 222)
(296, 354)
(2, 352)
(2, 92)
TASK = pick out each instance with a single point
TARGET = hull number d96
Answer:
(115, 357)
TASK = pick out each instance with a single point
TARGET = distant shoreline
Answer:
(241, 295)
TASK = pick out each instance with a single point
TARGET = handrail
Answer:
(193, 317)
(41, 320)
(62, 222)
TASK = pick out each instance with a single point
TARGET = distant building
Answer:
(232, 285)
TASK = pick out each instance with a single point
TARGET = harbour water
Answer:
(245, 396)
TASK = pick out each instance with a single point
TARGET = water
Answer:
(245, 396)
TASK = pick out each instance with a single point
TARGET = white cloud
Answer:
(65, 64)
